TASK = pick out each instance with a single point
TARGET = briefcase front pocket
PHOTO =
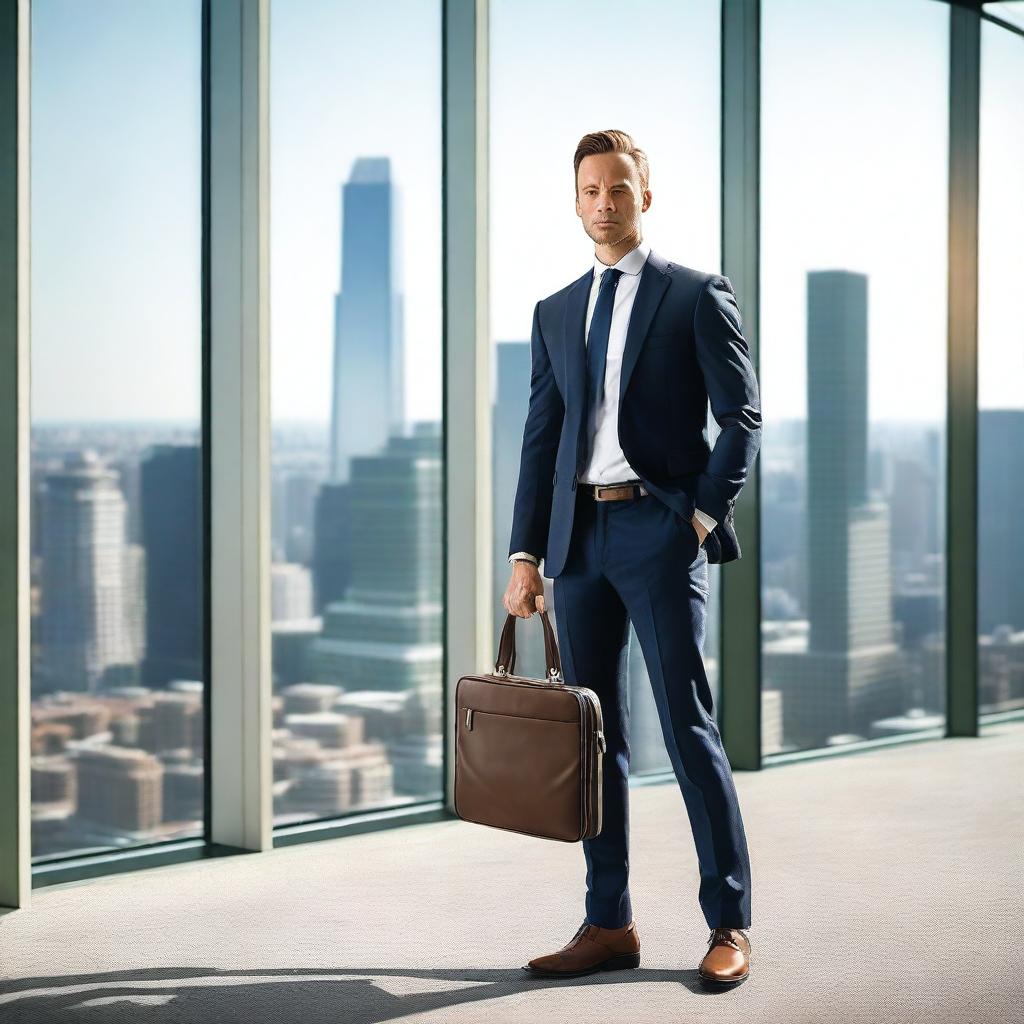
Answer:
(516, 768)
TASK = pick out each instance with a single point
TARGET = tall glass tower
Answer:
(367, 397)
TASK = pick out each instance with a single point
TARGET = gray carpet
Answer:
(887, 888)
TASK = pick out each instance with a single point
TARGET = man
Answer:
(621, 495)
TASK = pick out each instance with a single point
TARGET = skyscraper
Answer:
(849, 672)
(367, 404)
(171, 521)
(383, 638)
(84, 630)
(849, 585)
(385, 634)
(1000, 538)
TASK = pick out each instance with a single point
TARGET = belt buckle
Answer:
(598, 488)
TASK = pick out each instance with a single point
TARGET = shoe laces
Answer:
(723, 937)
(579, 933)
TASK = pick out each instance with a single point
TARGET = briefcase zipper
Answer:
(470, 711)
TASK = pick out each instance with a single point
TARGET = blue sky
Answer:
(854, 137)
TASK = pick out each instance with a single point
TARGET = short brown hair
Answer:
(611, 141)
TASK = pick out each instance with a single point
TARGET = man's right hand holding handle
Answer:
(525, 592)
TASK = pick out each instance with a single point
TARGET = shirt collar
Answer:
(632, 263)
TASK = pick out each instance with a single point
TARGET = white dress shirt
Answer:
(606, 463)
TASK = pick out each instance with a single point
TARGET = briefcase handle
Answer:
(506, 663)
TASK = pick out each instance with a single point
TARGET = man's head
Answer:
(612, 176)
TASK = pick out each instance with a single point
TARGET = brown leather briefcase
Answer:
(528, 752)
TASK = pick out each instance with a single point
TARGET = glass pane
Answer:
(1001, 373)
(118, 692)
(356, 259)
(544, 98)
(853, 342)
(1011, 11)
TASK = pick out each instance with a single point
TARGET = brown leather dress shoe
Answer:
(592, 948)
(727, 961)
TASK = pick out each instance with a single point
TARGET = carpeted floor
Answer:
(888, 887)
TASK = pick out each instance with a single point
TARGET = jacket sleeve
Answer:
(531, 514)
(733, 392)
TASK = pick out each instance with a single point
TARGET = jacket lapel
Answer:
(574, 349)
(649, 292)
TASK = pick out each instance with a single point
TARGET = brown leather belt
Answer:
(614, 492)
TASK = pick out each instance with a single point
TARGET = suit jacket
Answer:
(684, 345)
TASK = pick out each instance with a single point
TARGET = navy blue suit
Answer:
(684, 345)
(639, 560)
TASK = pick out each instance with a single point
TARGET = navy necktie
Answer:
(597, 353)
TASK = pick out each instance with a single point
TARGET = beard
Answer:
(623, 232)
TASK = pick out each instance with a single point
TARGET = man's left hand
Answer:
(702, 531)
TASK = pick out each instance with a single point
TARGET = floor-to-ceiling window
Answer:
(853, 339)
(1001, 365)
(356, 473)
(852, 373)
(650, 69)
(117, 717)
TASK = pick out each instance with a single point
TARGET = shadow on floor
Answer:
(287, 996)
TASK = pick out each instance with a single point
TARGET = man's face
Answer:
(608, 197)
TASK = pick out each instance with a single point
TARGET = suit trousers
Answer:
(637, 560)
